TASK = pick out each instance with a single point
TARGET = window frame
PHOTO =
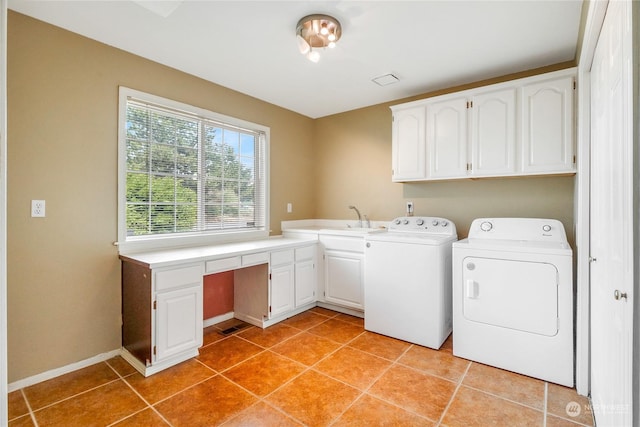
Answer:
(132, 244)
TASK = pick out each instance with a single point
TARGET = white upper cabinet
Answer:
(520, 127)
(493, 133)
(447, 138)
(547, 126)
(408, 156)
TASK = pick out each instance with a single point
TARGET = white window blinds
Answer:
(189, 173)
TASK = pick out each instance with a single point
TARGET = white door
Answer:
(305, 283)
(612, 220)
(493, 133)
(547, 126)
(178, 321)
(343, 275)
(447, 138)
(514, 294)
(282, 290)
(408, 144)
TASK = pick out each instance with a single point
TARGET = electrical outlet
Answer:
(289, 207)
(409, 208)
(37, 208)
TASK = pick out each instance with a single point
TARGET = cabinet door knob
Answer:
(368, 244)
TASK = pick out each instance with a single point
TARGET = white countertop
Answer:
(169, 257)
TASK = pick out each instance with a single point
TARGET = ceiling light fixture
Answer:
(317, 31)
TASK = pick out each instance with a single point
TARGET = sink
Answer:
(352, 230)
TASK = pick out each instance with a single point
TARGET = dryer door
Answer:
(515, 294)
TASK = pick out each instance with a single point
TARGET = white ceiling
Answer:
(250, 46)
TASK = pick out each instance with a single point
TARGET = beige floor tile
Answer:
(259, 415)
(170, 381)
(305, 320)
(371, 412)
(23, 421)
(56, 389)
(337, 330)
(472, 408)
(354, 367)
(519, 388)
(17, 406)
(380, 345)
(415, 391)
(121, 366)
(306, 348)
(559, 398)
(146, 418)
(313, 398)
(435, 362)
(264, 373)
(228, 352)
(270, 336)
(206, 404)
(99, 407)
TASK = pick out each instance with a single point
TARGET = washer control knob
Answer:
(420, 221)
(546, 228)
(405, 222)
(444, 223)
(435, 222)
(486, 226)
(397, 221)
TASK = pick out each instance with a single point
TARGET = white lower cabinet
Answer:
(161, 315)
(343, 271)
(305, 276)
(178, 321)
(343, 279)
(281, 290)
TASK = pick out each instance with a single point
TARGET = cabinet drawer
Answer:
(178, 277)
(223, 264)
(255, 259)
(305, 253)
(350, 244)
(282, 257)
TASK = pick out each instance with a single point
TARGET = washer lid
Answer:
(415, 238)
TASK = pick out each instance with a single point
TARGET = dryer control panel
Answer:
(531, 229)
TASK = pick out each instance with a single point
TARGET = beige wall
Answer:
(63, 272)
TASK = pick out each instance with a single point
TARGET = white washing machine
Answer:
(513, 297)
(407, 280)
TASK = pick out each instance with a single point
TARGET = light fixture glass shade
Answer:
(303, 46)
(317, 31)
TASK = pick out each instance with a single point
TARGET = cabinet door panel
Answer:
(282, 290)
(305, 283)
(178, 321)
(343, 278)
(408, 152)
(547, 126)
(447, 138)
(493, 133)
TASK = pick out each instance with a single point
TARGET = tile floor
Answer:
(318, 368)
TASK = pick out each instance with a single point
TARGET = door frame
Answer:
(594, 19)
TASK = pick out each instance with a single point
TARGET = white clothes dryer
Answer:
(513, 297)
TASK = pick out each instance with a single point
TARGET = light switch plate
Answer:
(37, 208)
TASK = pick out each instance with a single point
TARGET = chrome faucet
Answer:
(359, 216)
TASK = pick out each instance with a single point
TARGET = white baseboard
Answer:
(44, 376)
(214, 320)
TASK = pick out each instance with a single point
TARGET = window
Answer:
(188, 174)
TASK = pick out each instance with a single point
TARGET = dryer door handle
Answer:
(473, 289)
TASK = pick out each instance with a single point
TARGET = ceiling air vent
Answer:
(385, 80)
